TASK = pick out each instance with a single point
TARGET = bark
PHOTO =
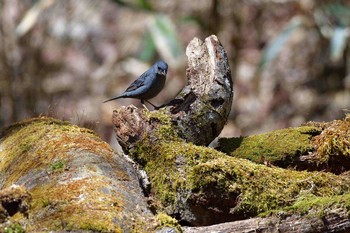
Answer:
(335, 220)
(199, 112)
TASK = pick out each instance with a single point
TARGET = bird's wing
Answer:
(138, 82)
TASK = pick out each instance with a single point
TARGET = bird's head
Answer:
(161, 67)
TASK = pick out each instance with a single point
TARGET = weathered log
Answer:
(69, 180)
(201, 186)
(199, 112)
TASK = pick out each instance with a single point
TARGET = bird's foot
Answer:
(145, 107)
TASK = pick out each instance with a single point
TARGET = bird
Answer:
(148, 85)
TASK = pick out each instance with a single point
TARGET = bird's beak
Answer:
(162, 72)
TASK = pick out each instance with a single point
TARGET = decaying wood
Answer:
(200, 111)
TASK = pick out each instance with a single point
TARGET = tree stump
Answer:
(199, 112)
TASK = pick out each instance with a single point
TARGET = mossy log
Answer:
(202, 186)
(315, 146)
(288, 177)
(58, 177)
(70, 180)
(199, 112)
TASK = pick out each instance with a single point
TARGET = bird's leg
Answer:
(143, 104)
(155, 107)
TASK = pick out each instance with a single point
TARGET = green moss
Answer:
(165, 128)
(79, 205)
(87, 224)
(43, 138)
(262, 189)
(14, 228)
(46, 202)
(278, 147)
(162, 160)
(176, 168)
(314, 205)
(180, 171)
(165, 220)
(57, 166)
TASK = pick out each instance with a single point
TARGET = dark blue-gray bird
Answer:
(148, 85)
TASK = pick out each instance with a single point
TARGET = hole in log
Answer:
(11, 207)
(217, 102)
(185, 105)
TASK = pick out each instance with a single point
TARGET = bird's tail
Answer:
(114, 98)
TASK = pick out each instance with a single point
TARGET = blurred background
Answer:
(290, 60)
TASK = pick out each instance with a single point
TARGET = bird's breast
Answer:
(155, 86)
